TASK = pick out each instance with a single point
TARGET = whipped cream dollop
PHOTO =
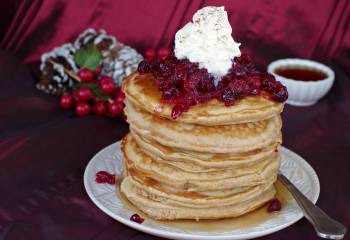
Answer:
(207, 41)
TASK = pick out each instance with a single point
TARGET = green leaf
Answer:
(88, 57)
(90, 85)
(98, 93)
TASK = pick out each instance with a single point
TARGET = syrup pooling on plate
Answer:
(221, 225)
(184, 84)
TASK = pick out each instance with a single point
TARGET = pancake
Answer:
(201, 161)
(194, 199)
(159, 209)
(235, 138)
(142, 91)
(260, 173)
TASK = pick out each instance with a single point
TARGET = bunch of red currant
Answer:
(94, 93)
(152, 54)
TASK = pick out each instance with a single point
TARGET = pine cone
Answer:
(100, 39)
(122, 61)
(118, 61)
(54, 80)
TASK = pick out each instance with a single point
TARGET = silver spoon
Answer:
(325, 226)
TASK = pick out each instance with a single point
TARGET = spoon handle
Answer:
(325, 226)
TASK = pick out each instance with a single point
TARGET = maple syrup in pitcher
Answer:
(301, 74)
(221, 225)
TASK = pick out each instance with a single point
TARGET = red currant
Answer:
(115, 108)
(75, 96)
(163, 52)
(150, 54)
(82, 109)
(99, 108)
(98, 71)
(84, 94)
(66, 101)
(106, 79)
(120, 97)
(108, 88)
(85, 75)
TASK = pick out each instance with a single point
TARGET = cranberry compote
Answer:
(184, 84)
(105, 177)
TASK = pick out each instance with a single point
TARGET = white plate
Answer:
(104, 196)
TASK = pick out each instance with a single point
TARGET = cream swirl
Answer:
(207, 41)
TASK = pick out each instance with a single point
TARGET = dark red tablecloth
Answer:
(43, 153)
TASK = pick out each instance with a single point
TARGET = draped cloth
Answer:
(295, 28)
(44, 150)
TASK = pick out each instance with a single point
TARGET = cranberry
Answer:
(99, 108)
(66, 101)
(280, 93)
(274, 206)
(243, 66)
(115, 108)
(254, 81)
(244, 58)
(136, 218)
(228, 96)
(85, 75)
(84, 94)
(180, 72)
(82, 109)
(170, 94)
(178, 110)
(144, 67)
(105, 177)
(268, 82)
(255, 91)
(150, 54)
(164, 69)
(199, 80)
(163, 52)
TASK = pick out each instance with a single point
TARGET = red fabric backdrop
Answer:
(316, 29)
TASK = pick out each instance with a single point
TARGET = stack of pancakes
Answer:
(211, 162)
